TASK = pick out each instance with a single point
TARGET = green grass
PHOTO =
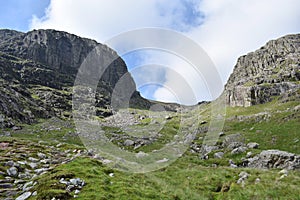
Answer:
(181, 180)
(188, 177)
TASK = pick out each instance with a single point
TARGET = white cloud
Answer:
(230, 28)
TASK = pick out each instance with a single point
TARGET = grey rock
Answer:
(252, 145)
(33, 165)
(205, 149)
(35, 160)
(234, 145)
(233, 139)
(77, 192)
(257, 181)
(41, 170)
(269, 71)
(239, 150)
(70, 188)
(24, 196)
(41, 155)
(244, 175)
(13, 171)
(275, 159)
(249, 154)
(6, 185)
(27, 186)
(128, 143)
(221, 134)
(219, 155)
(10, 163)
(77, 182)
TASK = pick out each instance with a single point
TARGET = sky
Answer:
(224, 29)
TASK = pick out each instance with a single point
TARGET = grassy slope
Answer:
(188, 177)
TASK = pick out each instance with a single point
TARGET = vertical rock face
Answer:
(39, 68)
(59, 51)
(272, 70)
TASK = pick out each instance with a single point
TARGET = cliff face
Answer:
(272, 70)
(38, 69)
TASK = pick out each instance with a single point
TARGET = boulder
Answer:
(275, 159)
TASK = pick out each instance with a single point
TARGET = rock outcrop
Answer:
(272, 70)
(38, 70)
(274, 159)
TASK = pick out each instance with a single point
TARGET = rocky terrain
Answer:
(270, 71)
(256, 156)
(37, 73)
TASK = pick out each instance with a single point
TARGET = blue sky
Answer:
(17, 14)
(225, 29)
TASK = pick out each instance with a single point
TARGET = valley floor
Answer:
(47, 160)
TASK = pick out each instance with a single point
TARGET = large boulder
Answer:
(275, 159)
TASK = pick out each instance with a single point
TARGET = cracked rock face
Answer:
(38, 70)
(270, 71)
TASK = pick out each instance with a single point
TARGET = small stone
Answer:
(76, 181)
(27, 186)
(41, 170)
(233, 166)
(239, 150)
(13, 171)
(24, 196)
(284, 171)
(221, 134)
(35, 160)
(128, 143)
(106, 161)
(20, 181)
(168, 117)
(34, 193)
(70, 188)
(16, 128)
(141, 154)
(10, 163)
(252, 145)
(33, 165)
(244, 175)
(249, 154)
(257, 180)
(111, 174)
(62, 180)
(162, 160)
(46, 161)
(41, 155)
(22, 162)
(219, 155)
(77, 192)
(283, 176)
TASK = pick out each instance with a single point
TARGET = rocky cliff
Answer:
(38, 69)
(273, 70)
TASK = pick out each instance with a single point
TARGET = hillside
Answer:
(38, 70)
(45, 156)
